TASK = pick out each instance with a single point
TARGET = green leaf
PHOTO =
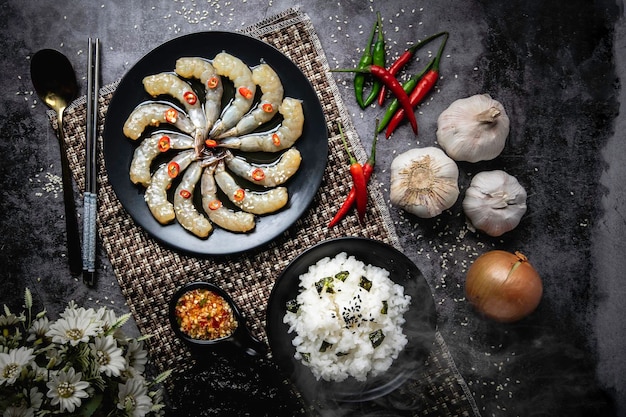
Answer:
(162, 376)
(91, 406)
(146, 337)
(121, 321)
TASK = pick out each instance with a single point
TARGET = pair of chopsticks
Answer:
(91, 151)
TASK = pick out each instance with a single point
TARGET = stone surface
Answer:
(556, 68)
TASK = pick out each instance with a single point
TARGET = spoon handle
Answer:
(74, 255)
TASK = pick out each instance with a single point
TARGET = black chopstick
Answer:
(90, 209)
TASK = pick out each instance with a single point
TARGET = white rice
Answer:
(335, 349)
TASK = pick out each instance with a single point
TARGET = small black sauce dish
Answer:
(241, 338)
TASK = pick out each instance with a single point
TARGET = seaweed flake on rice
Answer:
(347, 319)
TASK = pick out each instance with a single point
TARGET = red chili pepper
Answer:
(164, 143)
(267, 107)
(408, 86)
(215, 204)
(210, 143)
(276, 139)
(173, 169)
(239, 195)
(404, 59)
(358, 180)
(368, 169)
(257, 174)
(190, 97)
(185, 194)
(393, 85)
(212, 82)
(171, 115)
(420, 91)
(246, 93)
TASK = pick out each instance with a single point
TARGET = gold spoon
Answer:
(55, 82)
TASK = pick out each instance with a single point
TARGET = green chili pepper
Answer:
(395, 104)
(378, 58)
(366, 59)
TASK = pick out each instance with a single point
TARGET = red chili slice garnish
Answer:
(267, 108)
(215, 204)
(239, 195)
(171, 115)
(164, 143)
(173, 169)
(211, 143)
(212, 82)
(258, 174)
(276, 139)
(190, 97)
(246, 93)
(185, 193)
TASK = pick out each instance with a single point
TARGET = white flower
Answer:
(136, 356)
(20, 411)
(67, 389)
(133, 397)
(12, 363)
(108, 355)
(35, 397)
(38, 329)
(76, 326)
(10, 319)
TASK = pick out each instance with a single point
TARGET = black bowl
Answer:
(420, 326)
(241, 337)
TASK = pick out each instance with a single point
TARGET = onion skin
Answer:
(503, 286)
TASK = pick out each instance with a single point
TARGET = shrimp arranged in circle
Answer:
(267, 175)
(240, 74)
(156, 114)
(202, 141)
(150, 148)
(235, 221)
(274, 140)
(203, 70)
(268, 81)
(186, 213)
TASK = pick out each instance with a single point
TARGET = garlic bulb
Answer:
(494, 202)
(424, 181)
(473, 129)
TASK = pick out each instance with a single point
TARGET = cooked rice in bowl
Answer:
(347, 319)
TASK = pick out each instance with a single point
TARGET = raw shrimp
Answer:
(168, 83)
(268, 175)
(156, 193)
(150, 148)
(268, 81)
(235, 221)
(154, 114)
(238, 72)
(186, 214)
(202, 70)
(284, 137)
(254, 202)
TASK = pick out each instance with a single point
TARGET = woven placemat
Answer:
(149, 273)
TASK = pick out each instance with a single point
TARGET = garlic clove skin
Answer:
(473, 129)
(424, 181)
(494, 202)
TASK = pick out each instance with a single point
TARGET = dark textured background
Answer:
(556, 67)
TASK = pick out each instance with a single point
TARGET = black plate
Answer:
(421, 321)
(313, 145)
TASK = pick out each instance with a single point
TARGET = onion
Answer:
(503, 286)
